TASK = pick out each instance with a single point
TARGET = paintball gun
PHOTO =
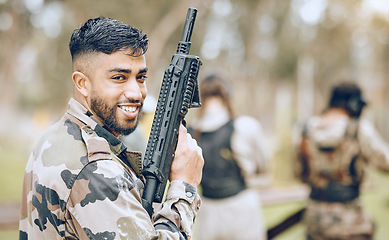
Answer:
(179, 92)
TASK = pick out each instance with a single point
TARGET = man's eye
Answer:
(120, 78)
(142, 78)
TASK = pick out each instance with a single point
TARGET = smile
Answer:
(130, 112)
(128, 109)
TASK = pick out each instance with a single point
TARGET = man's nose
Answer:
(132, 90)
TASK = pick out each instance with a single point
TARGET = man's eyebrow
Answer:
(120, 70)
(144, 70)
(125, 70)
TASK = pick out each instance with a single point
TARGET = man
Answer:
(334, 150)
(236, 162)
(80, 181)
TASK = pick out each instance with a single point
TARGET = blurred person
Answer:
(81, 182)
(333, 152)
(235, 162)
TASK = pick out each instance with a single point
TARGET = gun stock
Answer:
(179, 92)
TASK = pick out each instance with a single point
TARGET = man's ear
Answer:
(81, 82)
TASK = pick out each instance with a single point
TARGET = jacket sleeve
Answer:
(374, 149)
(105, 203)
(251, 151)
(178, 211)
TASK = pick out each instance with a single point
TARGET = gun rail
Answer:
(179, 91)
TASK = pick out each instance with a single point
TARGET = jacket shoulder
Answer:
(62, 143)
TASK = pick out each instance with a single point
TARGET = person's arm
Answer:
(178, 212)
(182, 201)
(373, 147)
(251, 151)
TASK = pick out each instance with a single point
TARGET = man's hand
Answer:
(188, 161)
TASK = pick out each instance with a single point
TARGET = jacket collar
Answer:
(133, 159)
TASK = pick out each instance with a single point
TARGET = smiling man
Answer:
(113, 88)
(80, 180)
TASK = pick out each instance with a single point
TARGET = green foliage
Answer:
(13, 162)
(9, 233)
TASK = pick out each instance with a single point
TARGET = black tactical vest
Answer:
(221, 174)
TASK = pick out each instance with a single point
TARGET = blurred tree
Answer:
(264, 45)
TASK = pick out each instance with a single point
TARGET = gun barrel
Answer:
(189, 23)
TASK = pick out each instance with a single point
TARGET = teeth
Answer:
(128, 109)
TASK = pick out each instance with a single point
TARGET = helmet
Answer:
(348, 95)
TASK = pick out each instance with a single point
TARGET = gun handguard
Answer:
(179, 92)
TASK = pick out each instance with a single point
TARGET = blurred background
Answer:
(281, 55)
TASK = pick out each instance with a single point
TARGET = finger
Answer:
(183, 131)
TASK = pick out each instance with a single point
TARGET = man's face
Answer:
(118, 89)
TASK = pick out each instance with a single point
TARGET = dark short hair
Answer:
(107, 35)
(347, 95)
(216, 85)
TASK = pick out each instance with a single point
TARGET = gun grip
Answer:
(195, 103)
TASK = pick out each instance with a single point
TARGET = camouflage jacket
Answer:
(333, 155)
(82, 183)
